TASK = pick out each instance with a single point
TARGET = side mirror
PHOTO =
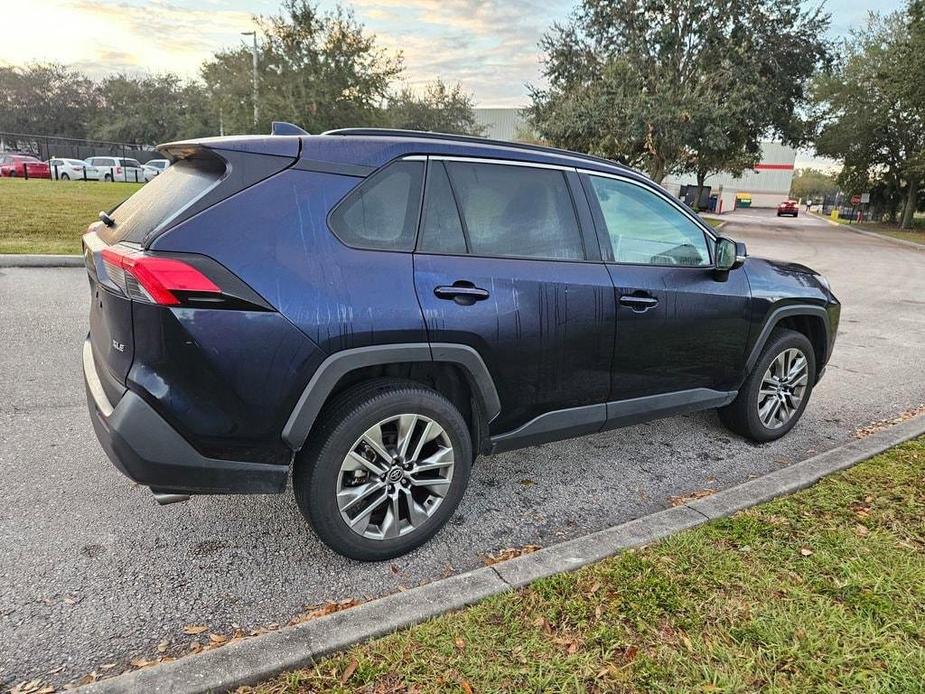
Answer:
(729, 255)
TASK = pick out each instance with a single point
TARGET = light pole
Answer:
(254, 53)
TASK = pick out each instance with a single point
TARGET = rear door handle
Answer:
(639, 302)
(462, 292)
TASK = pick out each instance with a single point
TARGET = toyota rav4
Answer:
(369, 310)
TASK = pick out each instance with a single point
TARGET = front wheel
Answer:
(385, 469)
(65, 177)
(773, 397)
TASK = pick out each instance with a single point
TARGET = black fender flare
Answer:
(775, 317)
(332, 369)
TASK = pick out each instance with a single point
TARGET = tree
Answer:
(678, 84)
(871, 106)
(812, 184)
(149, 109)
(46, 98)
(438, 109)
(320, 70)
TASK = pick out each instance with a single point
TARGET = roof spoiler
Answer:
(281, 127)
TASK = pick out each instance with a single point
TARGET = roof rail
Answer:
(396, 132)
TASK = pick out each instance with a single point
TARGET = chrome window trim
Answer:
(706, 228)
(502, 162)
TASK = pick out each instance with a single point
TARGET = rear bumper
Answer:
(146, 449)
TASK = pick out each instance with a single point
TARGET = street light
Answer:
(254, 53)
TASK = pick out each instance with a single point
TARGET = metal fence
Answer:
(46, 147)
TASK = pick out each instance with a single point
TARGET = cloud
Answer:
(157, 36)
(489, 46)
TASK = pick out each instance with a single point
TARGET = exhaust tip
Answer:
(164, 499)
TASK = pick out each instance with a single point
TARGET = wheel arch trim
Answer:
(339, 364)
(775, 317)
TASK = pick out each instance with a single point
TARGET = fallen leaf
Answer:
(193, 629)
(107, 666)
(141, 662)
(862, 530)
(572, 648)
(163, 646)
(509, 553)
(630, 653)
(464, 683)
(217, 639)
(348, 673)
(806, 551)
(460, 644)
(682, 499)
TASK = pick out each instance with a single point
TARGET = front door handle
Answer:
(639, 302)
(462, 292)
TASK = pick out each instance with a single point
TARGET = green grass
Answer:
(40, 216)
(713, 222)
(821, 591)
(916, 234)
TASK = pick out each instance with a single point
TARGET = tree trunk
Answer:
(912, 199)
(701, 179)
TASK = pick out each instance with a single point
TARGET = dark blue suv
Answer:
(372, 309)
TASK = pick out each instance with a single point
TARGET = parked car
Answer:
(118, 169)
(72, 169)
(154, 167)
(14, 164)
(788, 207)
(386, 305)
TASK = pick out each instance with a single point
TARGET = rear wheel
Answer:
(773, 397)
(65, 177)
(385, 469)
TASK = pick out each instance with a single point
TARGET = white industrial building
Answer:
(766, 185)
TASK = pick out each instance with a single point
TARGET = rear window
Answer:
(162, 199)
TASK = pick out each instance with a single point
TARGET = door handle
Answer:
(640, 303)
(462, 292)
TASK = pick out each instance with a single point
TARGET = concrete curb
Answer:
(874, 234)
(255, 659)
(16, 260)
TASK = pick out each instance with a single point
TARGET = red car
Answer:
(788, 207)
(20, 164)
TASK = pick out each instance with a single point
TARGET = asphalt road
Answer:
(94, 572)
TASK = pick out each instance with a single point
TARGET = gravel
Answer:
(94, 572)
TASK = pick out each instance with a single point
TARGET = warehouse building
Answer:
(767, 185)
(764, 186)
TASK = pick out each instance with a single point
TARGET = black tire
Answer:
(107, 178)
(741, 415)
(343, 421)
(65, 177)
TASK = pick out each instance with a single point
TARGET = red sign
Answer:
(855, 200)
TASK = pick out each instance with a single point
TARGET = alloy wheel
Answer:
(783, 387)
(395, 476)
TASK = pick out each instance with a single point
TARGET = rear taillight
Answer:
(157, 280)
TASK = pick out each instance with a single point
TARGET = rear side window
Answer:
(516, 211)
(163, 198)
(382, 212)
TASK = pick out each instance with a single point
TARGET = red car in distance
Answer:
(788, 207)
(13, 165)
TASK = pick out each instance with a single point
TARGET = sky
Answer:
(488, 46)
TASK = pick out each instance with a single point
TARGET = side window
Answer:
(441, 230)
(382, 212)
(517, 211)
(645, 229)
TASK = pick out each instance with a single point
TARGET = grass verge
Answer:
(916, 234)
(819, 591)
(41, 216)
(714, 222)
